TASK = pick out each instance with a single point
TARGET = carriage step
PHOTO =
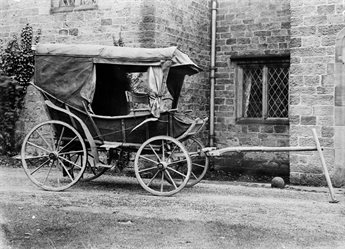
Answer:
(114, 145)
(17, 157)
(111, 145)
(101, 165)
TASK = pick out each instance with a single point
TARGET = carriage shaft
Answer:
(212, 151)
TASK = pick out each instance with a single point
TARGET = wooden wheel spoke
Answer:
(172, 152)
(163, 151)
(66, 170)
(155, 152)
(50, 168)
(42, 164)
(148, 169)
(151, 180)
(179, 161)
(39, 147)
(171, 179)
(69, 161)
(72, 152)
(68, 143)
(93, 170)
(162, 182)
(192, 174)
(198, 165)
(75, 161)
(35, 157)
(60, 138)
(45, 141)
(149, 159)
(177, 172)
(51, 135)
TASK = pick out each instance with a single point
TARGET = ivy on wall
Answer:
(16, 70)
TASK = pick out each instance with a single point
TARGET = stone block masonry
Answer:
(314, 30)
(256, 29)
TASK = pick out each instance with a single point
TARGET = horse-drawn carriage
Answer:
(106, 104)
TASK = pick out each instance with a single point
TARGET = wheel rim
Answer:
(200, 161)
(54, 155)
(91, 171)
(162, 166)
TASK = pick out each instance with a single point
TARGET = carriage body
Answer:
(87, 91)
(126, 129)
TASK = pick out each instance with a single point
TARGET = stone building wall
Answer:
(249, 28)
(187, 25)
(317, 33)
(140, 23)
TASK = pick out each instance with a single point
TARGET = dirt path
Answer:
(114, 212)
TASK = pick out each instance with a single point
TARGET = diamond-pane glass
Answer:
(252, 92)
(278, 92)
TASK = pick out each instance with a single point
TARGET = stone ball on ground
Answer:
(277, 182)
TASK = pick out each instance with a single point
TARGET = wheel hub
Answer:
(53, 156)
(162, 165)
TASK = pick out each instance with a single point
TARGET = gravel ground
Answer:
(115, 212)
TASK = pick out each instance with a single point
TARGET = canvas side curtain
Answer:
(69, 79)
(160, 98)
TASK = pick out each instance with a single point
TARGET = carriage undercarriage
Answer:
(55, 157)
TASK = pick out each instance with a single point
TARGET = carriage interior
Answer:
(120, 90)
(123, 90)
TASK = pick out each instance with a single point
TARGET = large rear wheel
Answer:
(48, 155)
(162, 166)
(200, 161)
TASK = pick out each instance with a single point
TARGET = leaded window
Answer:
(262, 90)
(72, 5)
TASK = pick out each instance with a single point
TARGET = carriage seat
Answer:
(139, 103)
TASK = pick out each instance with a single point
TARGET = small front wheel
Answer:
(162, 166)
(54, 155)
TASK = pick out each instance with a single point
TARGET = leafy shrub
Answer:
(16, 70)
(17, 59)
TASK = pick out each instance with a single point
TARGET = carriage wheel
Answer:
(48, 155)
(91, 171)
(200, 161)
(162, 165)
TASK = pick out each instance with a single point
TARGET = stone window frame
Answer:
(264, 61)
(72, 6)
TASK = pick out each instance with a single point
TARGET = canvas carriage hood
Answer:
(68, 72)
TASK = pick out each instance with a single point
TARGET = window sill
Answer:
(276, 121)
(73, 8)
